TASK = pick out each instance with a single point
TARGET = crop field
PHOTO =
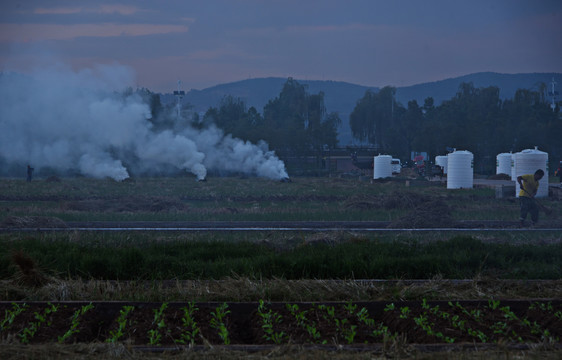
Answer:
(367, 283)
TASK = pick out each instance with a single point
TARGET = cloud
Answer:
(38, 32)
(101, 9)
(57, 11)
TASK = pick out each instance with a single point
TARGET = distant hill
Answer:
(341, 97)
(446, 89)
(257, 93)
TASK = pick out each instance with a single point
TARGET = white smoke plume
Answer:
(79, 121)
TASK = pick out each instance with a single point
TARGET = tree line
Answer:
(297, 123)
(475, 119)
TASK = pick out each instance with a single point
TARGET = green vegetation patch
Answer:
(125, 257)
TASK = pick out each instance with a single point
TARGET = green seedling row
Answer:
(286, 323)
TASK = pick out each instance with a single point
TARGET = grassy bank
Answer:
(321, 256)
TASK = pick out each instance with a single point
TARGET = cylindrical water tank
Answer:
(460, 170)
(527, 162)
(441, 160)
(383, 167)
(503, 164)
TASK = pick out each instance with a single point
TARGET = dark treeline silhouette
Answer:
(475, 119)
(297, 123)
(293, 124)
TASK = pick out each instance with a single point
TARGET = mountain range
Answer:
(341, 97)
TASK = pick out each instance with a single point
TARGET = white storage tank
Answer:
(460, 173)
(503, 164)
(382, 167)
(441, 160)
(527, 162)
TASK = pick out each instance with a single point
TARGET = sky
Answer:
(206, 43)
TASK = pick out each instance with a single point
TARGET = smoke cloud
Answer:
(77, 121)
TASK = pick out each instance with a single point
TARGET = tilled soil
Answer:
(414, 322)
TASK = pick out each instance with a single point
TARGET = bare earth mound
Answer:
(32, 222)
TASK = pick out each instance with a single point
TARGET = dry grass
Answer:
(244, 289)
(127, 204)
(32, 222)
(434, 213)
(421, 210)
(29, 275)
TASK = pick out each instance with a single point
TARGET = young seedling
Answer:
(363, 316)
(217, 322)
(314, 333)
(343, 326)
(404, 312)
(330, 312)
(493, 304)
(423, 322)
(191, 330)
(42, 318)
(389, 307)
(75, 322)
(350, 307)
(154, 335)
(475, 313)
(477, 333)
(115, 335)
(300, 316)
(500, 327)
(542, 306)
(380, 330)
(10, 316)
(458, 322)
(508, 314)
(303, 321)
(349, 333)
(269, 319)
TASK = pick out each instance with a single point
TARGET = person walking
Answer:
(529, 185)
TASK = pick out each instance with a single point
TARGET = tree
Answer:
(373, 116)
(230, 113)
(361, 119)
(406, 129)
(297, 122)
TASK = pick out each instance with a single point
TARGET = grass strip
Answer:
(128, 259)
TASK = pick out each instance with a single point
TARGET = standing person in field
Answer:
(29, 173)
(529, 185)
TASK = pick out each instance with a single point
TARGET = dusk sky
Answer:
(205, 43)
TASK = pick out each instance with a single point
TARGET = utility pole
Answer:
(179, 94)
